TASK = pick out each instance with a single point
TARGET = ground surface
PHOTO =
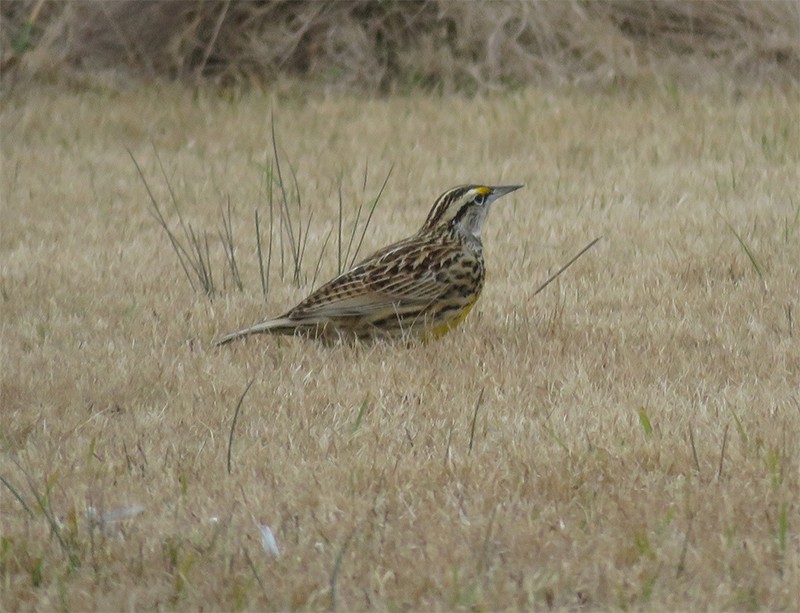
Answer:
(626, 438)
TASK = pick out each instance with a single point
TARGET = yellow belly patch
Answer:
(441, 329)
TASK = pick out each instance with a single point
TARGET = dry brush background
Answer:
(402, 45)
(626, 438)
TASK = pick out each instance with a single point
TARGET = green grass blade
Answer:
(644, 420)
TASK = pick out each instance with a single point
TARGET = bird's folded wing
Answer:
(398, 278)
(358, 296)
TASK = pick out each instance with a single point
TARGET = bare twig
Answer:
(213, 39)
(565, 266)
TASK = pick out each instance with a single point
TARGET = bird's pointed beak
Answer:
(502, 190)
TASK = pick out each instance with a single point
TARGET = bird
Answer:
(420, 287)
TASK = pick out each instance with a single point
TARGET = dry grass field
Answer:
(627, 438)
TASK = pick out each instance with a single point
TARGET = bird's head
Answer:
(464, 208)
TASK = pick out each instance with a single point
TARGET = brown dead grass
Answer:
(635, 443)
(400, 46)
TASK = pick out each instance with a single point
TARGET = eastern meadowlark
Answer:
(422, 286)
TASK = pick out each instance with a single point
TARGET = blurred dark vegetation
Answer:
(387, 46)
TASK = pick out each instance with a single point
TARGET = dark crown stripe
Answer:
(443, 204)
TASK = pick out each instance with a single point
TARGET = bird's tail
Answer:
(279, 325)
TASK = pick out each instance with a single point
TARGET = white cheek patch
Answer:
(472, 223)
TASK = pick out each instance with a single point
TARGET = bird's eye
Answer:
(480, 199)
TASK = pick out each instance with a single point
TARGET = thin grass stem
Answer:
(371, 213)
(233, 423)
(553, 277)
(475, 419)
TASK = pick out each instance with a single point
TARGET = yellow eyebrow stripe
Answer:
(483, 191)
